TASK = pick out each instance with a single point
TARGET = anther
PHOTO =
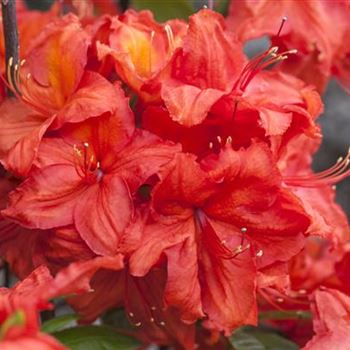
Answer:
(162, 323)
(244, 229)
(280, 300)
(223, 241)
(22, 63)
(151, 319)
(260, 253)
(131, 314)
(284, 19)
(228, 140)
(10, 61)
(86, 144)
(138, 324)
(302, 291)
(28, 76)
(211, 145)
(219, 139)
(334, 187)
(153, 308)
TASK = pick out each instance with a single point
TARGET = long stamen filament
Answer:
(331, 176)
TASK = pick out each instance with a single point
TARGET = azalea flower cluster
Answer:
(154, 167)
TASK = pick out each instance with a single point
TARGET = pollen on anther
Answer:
(131, 314)
(260, 253)
(219, 139)
(162, 323)
(244, 229)
(138, 324)
(86, 144)
(211, 145)
(151, 319)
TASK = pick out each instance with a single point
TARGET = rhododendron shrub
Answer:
(158, 181)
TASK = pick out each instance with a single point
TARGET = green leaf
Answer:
(274, 341)
(285, 315)
(249, 338)
(246, 341)
(58, 323)
(221, 6)
(95, 338)
(165, 9)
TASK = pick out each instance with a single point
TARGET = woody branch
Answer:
(10, 29)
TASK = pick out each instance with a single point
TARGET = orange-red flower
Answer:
(318, 29)
(212, 221)
(54, 89)
(98, 164)
(19, 306)
(331, 311)
(142, 49)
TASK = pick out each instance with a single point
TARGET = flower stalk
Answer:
(10, 30)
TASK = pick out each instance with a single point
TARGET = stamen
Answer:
(150, 51)
(219, 139)
(284, 19)
(260, 253)
(259, 63)
(162, 323)
(170, 36)
(244, 229)
(211, 145)
(339, 171)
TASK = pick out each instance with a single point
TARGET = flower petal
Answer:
(106, 212)
(47, 198)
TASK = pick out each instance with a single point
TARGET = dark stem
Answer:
(7, 275)
(9, 20)
(47, 315)
(124, 4)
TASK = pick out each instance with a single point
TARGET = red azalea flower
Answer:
(331, 311)
(39, 84)
(319, 30)
(19, 305)
(97, 164)
(203, 70)
(316, 190)
(143, 298)
(211, 221)
(204, 110)
(142, 49)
